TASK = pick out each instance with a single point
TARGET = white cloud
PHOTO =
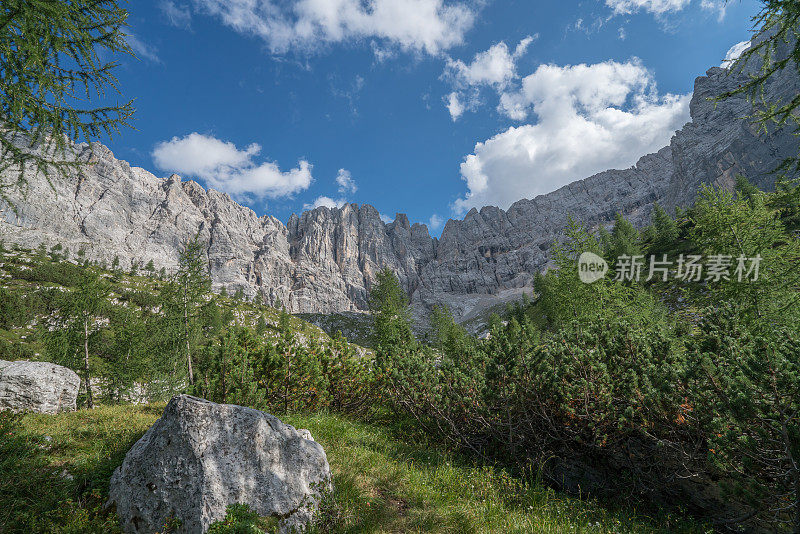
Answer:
(589, 118)
(658, 7)
(382, 53)
(621, 33)
(734, 52)
(385, 218)
(141, 49)
(589, 28)
(429, 26)
(454, 106)
(495, 67)
(720, 6)
(458, 102)
(225, 167)
(177, 15)
(326, 202)
(346, 183)
(435, 222)
(523, 45)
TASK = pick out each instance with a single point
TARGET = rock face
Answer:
(37, 387)
(201, 457)
(325, 260)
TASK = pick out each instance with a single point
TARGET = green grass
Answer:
(384, 483)
(55, 468)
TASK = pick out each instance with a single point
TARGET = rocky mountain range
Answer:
(324, 260)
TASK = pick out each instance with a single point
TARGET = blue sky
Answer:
(426, 107)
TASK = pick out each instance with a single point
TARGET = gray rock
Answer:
(37, 387)
(325, 260)
(201, 457)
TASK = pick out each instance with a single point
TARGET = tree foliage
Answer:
(52, 61)
(624, 240)
(284, 376)
(184, 297)
(72, 342)
(746, 397)
(606, 377)
(745, 228)
(665, 228)
(388, 303)
(774, 48)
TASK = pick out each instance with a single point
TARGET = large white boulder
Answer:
(200, 457)
(37, 387)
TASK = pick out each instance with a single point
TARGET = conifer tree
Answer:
(775, 48)
(53, 60)
(185, 296)
(261, 325)
(744, 188)
(80, 310)
(624, 240)
(665, 228)
(448, 336)
(287, 349)
(604, 238)
(388, 302)
(127, 356)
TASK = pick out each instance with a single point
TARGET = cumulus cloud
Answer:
(658, 7)
(382, 53)
(454, 106)
(327, 202)
(346, 185)
(718, 6)
(435, 222)
(142, 49)
(495, 67)
(429, 26)
(178, 15)
(733, 53)
(225, 167)
(457, 102)
(345, 182)
(586, 119)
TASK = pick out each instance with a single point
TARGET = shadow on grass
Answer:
(380, 463)
(43, 489)
(352, 510)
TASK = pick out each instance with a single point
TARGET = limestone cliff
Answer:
(324, 260)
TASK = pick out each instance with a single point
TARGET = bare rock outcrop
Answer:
(200, 457)
(325, 260)
(37, 387)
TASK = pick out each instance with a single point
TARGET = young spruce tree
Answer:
(54, 59)
(80, 311)
(388, 303)
(185, 295)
